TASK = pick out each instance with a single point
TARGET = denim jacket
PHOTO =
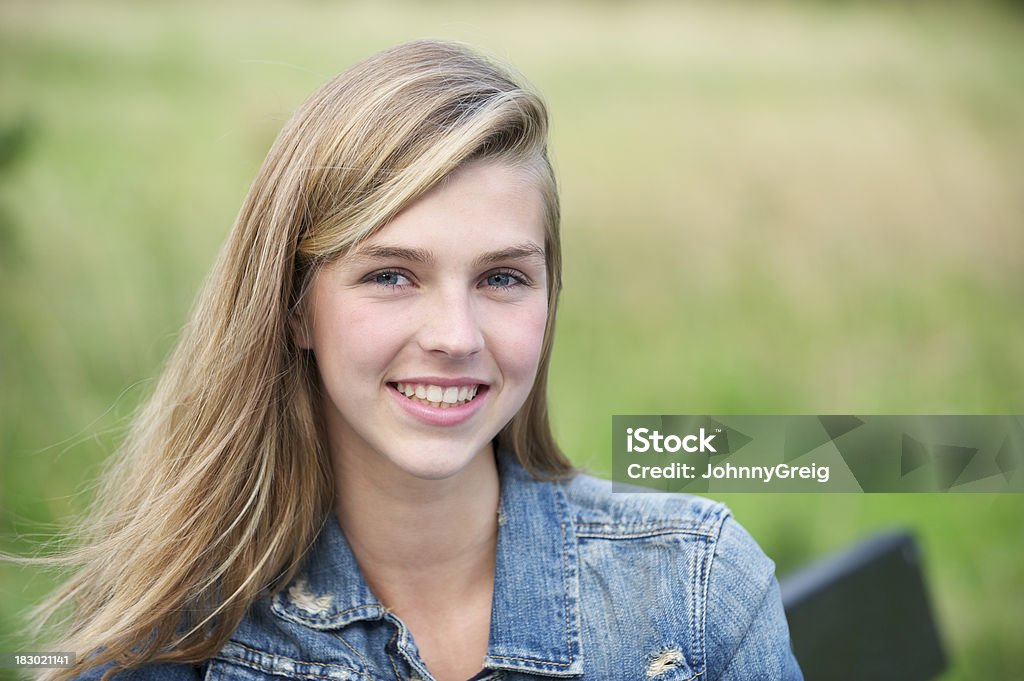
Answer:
(589, 585)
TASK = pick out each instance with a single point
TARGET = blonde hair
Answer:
(223, 481)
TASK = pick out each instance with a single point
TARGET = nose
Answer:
(451, 325)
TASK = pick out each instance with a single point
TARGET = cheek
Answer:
(522, 342)
(356, 338)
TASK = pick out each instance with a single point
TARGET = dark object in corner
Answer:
(864, 614)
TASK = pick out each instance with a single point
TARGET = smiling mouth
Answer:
(438, 397)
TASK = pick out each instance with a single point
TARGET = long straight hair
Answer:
(224, 481)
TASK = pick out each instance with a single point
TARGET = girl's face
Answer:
(428, 334)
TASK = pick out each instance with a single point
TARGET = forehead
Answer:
(484, 205)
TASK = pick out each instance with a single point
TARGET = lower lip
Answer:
(435, 416)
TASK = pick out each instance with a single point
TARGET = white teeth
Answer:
(437, 396)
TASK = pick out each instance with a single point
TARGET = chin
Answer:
(436, 462)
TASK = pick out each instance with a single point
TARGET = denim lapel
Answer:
(329, 592)
(535, 618)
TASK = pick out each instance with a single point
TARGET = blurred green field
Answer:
(781, 207)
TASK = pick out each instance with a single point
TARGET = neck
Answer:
(419, 541)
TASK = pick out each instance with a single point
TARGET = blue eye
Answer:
(501, 280)
(390, 279)
(505, 279)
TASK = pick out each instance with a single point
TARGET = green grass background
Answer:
(769, 207)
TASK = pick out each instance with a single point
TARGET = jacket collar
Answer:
(535, 612)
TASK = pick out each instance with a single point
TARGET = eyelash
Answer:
(373, 278)
(518, 278)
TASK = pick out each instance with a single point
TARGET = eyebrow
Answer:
(527, 250)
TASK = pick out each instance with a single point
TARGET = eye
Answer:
(389, 279)
(506, 279)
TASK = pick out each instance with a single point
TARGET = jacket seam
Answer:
(358, 655)
(277, 672)
(565, 576)
(285, 611)
(212, 673)
(746, 632)
(391, 658)
(303, 675)
(641, 534)
(647, 525)
(709, 558)
(546, 663)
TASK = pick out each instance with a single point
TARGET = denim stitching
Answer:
(695, 568)
(705, 574)
(565, 576)
(325, 619)
(652, 525)
(529, 659)
(706, 586)
(640, 534)
(402, 632)
(391, 658)
(278, 672)
(283, 657)
(362, 658)
(709, 557)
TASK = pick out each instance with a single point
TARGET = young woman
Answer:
(346, 470)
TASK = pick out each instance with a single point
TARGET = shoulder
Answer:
(746, 628)
(595, 506)
(733, 556)
(687, 559)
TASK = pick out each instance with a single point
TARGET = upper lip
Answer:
(441, 381)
